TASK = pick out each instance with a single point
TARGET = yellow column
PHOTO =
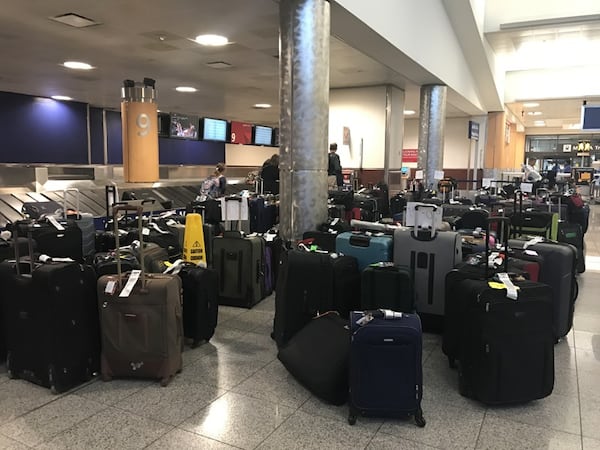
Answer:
(139, 120)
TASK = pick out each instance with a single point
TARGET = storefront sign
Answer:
(410, 155)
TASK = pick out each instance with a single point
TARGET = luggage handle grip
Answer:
(139, 210)
(357, 240)
(504, 231)
(29, 247)
(77, 204)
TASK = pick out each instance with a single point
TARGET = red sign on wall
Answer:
(410, 155)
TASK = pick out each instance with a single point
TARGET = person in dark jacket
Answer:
(270, 175)
(334, 168)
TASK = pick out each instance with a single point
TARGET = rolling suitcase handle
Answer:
(139, 211)
(75, 191)
(111, 197)
(504, 232)
(29, 247)
(419, 233)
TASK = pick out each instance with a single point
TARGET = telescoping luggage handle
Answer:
(139, 210)
(503, 234)
(66, 192)
(424, 234)
(15, 238)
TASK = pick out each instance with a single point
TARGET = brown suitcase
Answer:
(142, 333)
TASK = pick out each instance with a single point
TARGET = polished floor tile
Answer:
(317, 407)
(111, 428)
(44, 423)
(382, 441)
(590, 418)
(184, 440)
(18, 397)
(591, 444)
(274, 383)
(256, 345)
(249, 320)
(222, 369)
(448, 427)
(7, 443)
(111, 392)
(307, 432)
(238, 420)
(172, 404)
(502, 434)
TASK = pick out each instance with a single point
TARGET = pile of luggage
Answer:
(353, 299)
(121, 300)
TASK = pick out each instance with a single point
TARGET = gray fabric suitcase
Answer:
(429, 260)
(239, 262)
(142, 334)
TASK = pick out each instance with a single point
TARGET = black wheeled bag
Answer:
(50, 322)
(387, 286)
(317, 356)
(200, 302)
(311, 283)
(239, 262)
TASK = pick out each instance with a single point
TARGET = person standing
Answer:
(270, 175)
(334, 168)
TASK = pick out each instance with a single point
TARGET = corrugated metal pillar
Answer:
(304, 117)
(432, 119)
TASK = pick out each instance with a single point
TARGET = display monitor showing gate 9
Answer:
(263, 135)
(214, 129)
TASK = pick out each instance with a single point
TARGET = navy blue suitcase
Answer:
(386, 372)
(367, 249)
(263, 215)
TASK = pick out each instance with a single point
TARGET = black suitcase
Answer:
(239, 262)
(558, 269)
(200, 302)
(105, 263)
(386, 372)
(504, 342)
(54, 241)
(310, 283)
(505, 347)
(324, 240)
(387, 286)
(571, 233)
(51, 322)
(397, 204)
(262, 214)
(317, 356)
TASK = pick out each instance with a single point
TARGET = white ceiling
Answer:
(137, 39)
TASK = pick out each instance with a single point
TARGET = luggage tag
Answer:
(111, 287)
(533, 241)
(133, 277)
(511, 289)
(365, 319)
(55, 223)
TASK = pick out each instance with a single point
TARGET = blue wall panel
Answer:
(42, 130)
(114, 137)
(96, 136)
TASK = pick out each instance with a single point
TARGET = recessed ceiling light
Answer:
(213, 40)
(61, 97)
(262, 105)
(539, 123)
(77, 65)
(530, 104)
(534, 113)
(409, 112)
(75, 20)
(185, 89)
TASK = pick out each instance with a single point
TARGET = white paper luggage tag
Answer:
(511, 289)
(55, 223)
(133, 277)
(157, 228)
(533, 241)
(111, 287)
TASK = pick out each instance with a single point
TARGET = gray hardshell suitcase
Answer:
(84, 221)
(142, 333)
(430, 255)
(239, 262)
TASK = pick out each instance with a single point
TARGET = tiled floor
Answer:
(234, 393)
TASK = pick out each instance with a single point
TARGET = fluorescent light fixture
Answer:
(262, 105)
(571, 126)
(77, 65)
(409, 112)
(61, 97)
(185, 89)
(534, 113)
(530, 105)
(212, 40)
(539, 123)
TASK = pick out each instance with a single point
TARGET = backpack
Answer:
(209, 189)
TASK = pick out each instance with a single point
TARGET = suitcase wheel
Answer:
(106, 377)
(11, 374)
(419, 419)
(166, 380)
(351, 419)
(451, 362)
